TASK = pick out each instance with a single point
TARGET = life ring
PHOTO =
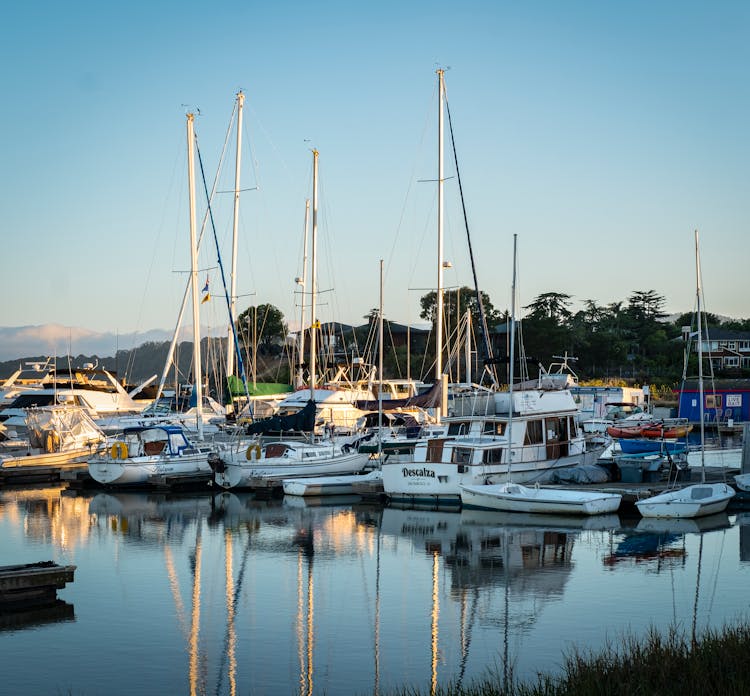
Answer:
(253, 449)
(52, 442)
(119, 450)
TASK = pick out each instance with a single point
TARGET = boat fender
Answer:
(253, 452)
(52, 442)
(119, 450)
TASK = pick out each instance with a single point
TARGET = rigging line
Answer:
(240, 362)
(482, 318)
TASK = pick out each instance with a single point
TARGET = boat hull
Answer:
(328, 485)
(698, 500)
(431, 482)
(515, 498)
(139, 470)
(270, 474)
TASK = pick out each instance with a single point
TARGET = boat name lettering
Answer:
(418, 472)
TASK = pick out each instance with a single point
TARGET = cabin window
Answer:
(713, 401)
(533, 433)
(557, 428)
(492, 456)
(177, 442)
(494, 428)
(460, 428)
(461, 455)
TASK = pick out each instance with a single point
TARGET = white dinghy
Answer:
(512, 497)
(329, 485)
(703, 498)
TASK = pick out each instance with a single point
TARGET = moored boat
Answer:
(268, 465)
(146, 451)
(512, 497)
(329, 485)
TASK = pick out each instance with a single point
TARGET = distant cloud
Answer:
(18, 342)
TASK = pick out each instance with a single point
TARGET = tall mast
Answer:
(512, 356)
(439, 297)
(700, 355)
(197, 374)
(380, 365)
(314, 274)
(235, 228)
(302, 282)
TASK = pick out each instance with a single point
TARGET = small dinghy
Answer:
(692, 501)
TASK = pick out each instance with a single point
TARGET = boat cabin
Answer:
(148, 441)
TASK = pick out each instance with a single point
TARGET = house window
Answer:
(745, 362)
(732, 361)
(713, 400)
(744, 345)
(731, 345)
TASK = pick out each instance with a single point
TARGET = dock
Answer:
(32, 584)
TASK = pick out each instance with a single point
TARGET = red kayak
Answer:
(660, 431)
(628, 431)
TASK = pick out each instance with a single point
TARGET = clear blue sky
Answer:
(602, 134)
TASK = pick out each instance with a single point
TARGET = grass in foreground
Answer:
(717, 662)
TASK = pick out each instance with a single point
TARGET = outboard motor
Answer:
(216, 463)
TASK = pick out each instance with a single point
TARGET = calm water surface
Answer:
(189, 595)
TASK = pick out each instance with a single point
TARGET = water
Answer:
(174, 595)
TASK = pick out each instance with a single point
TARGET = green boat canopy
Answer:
(236, 388)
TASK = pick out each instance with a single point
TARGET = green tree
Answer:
(266, 325)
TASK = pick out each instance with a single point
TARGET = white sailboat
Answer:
(160, 448)
(266, 466)
(704, 498)
(513, 497)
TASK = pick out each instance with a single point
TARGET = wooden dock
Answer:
(33, 584)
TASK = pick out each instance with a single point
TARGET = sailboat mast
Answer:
(440, 261)
(512, 356)
(235, 229)
(380, 365)
(197, 374)
(303, 283)
(314, 274)
(700, 356)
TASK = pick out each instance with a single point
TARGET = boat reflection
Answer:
(503, 569)
(659, 543)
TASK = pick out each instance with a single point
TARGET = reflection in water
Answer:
(485, 553)
(472, 588)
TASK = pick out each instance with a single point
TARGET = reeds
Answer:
(671, 664)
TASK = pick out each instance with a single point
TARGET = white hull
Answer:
(511, 497)
(430, 481)
(270, 473)
(692, 501)
(138, 470)
(38, 458)
(743, 482)
(328, 485)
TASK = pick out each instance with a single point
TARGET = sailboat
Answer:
(513, 497)
(160, 448)
(703, 498)
(267, 465)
